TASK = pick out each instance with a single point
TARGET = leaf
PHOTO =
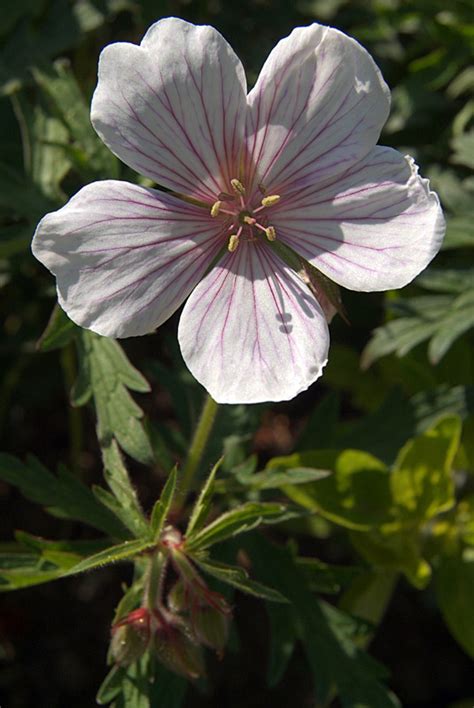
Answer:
(45, 163)
(106, 373)
(59, 331)
(459, 232)
(422, 483)
(123, 551)
(454, 583)
(69, 105)
(396, 551)
(277, 478)
(34, 561)
(453, 280)
(463, 146)
(117, 478)
(144, 684)
(64, 492)
(111, 685)
(283, 637)
(356, 495)
(202, 506)
(385, 431)
(239, 520)
(460, 320)
(326, 634)
(239, 578)
(163, 504)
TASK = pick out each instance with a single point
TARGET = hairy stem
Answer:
(197, 447)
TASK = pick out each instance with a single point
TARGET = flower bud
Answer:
(130, 637)
(178, 652)
(211, 627)
(177, 597)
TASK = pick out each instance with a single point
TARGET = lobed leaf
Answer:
(105, 373)
(63, 492)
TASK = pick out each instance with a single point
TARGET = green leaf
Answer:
(385, 431)
(34, 561)
(69, 105)
(459, 232)
(396, 551)
(117, 478)
(277, 478)
(421, 481)
(239, 520)
(106, 373)
(326, 633)
(454, 591)
(202, 506)
(111, 686)
(144, 684)
(163, 505)
(356, 495)
(239, 578)
(123, 551)
(453, 280)
(45, 163)
(64, 492)
(283, 637)
(463, 146)
(59, 331)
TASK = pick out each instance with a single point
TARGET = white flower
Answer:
(294, 160)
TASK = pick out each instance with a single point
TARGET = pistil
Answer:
(243, 215)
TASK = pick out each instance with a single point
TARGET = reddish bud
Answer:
(178, 652)
(211, 627)
(130, 637)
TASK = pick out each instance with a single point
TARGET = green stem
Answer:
(153, 588)
(196, 450)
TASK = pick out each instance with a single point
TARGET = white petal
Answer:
(251, 331)
(125, 257)
(174, 107)
(374, 228)
(318, 106)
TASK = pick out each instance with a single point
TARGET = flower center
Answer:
(244, 221)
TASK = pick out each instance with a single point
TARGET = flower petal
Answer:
(125, 257)
(251, 331)
(174, 107)
(374, 228)
(318, 106)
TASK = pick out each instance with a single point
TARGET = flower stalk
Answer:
(196, 450)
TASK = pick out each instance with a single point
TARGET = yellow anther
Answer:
(216, 207)
(233, 243)
(249, 220)
(237, 186)
(271, 200)
(270, 233)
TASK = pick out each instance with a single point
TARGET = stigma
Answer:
(247, 216)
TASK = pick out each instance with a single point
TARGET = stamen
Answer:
(233, 243)
(237, 186)
(271, 200)
(216, 207)
(270, 233)
(249, 220)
